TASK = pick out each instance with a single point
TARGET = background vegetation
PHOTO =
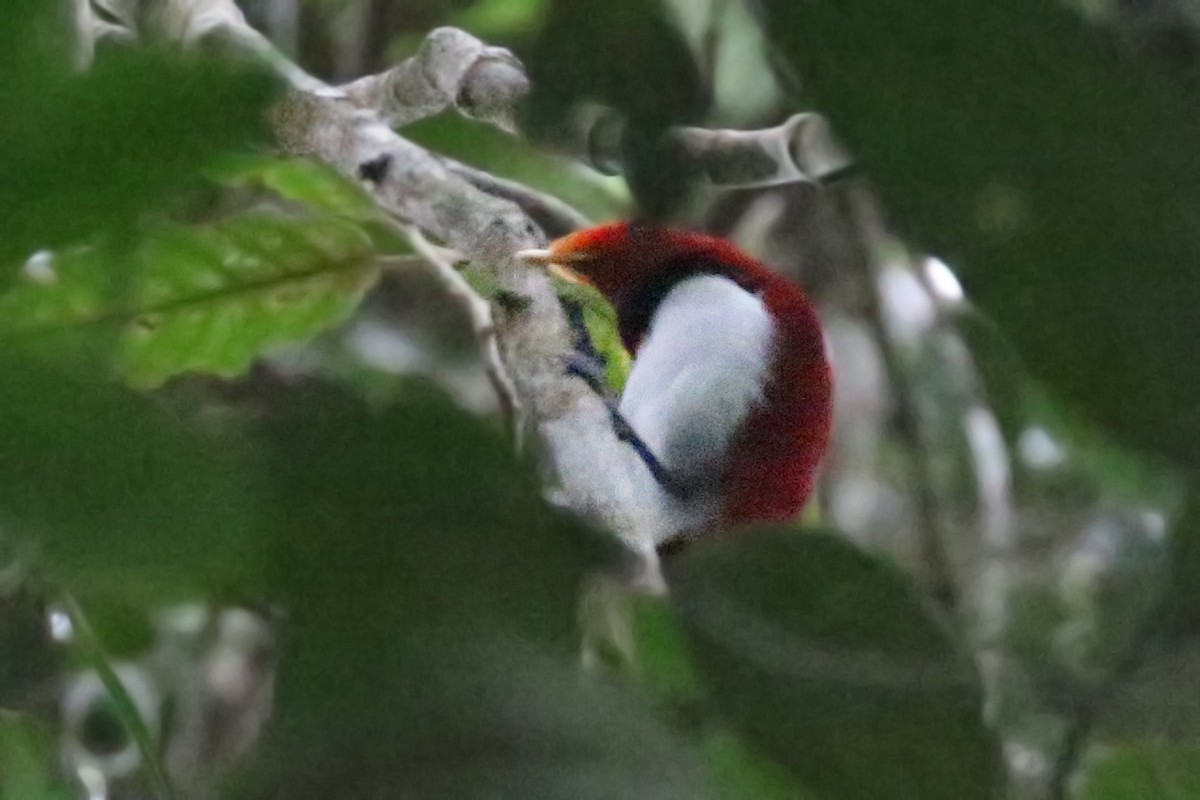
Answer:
(263, 532)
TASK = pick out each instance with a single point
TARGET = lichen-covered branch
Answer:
(452, 69)
(801, 149)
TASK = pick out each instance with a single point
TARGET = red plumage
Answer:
(772, 458)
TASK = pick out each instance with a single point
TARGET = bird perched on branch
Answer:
(729, 401)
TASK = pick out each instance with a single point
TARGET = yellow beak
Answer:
(555, 263)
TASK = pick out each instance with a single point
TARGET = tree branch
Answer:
(452, 68)
(802, 149)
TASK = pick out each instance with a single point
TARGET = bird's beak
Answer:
(556, 262)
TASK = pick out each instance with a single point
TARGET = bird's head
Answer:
(623, 258)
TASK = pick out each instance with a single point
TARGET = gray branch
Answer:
(801, 149)
(452, 69)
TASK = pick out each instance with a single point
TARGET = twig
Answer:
(92, 653)
(800, 150)
(479, 311)
(554, 216)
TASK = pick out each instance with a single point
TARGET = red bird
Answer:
(730, 388)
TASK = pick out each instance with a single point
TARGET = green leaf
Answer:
(304, 180)
(421, 502)
(1062, 181)
(745, 773)
(206, 299)
(488, 718)
(825, 659)
(34, 39)
(665, 667)
(431, 600)
(498, 153)
(89, 151)
(493, 19)
(119, 499)
(28, 755)
(1162, 772)
(663, 659)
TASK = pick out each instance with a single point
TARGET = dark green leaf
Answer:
(664, 664)
(116, 495)
(629, 56)
(626, 54)
(744, 772)
(484, 718)
(27, 657)
(824, 657)
(1064, 182)
(87, 151)
(421, 502)
(432, 604)
(33, 39)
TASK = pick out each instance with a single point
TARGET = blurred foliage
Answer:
(824, 657)
(121, 498)
(1059, 178)
(599, 197)
(88, 150)
(421, 594)
(1154, 771)
(499, 19)
(26, 773)
(1059, 172)
(26, 660)
(644, 71)
(462, 616)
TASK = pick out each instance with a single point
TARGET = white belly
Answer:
(697, 374)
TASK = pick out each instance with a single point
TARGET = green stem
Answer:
(92, 653)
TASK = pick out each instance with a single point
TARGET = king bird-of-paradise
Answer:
(730, 391)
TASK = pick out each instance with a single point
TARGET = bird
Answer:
(730, 393)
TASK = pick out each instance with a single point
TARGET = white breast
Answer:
(698, 372)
